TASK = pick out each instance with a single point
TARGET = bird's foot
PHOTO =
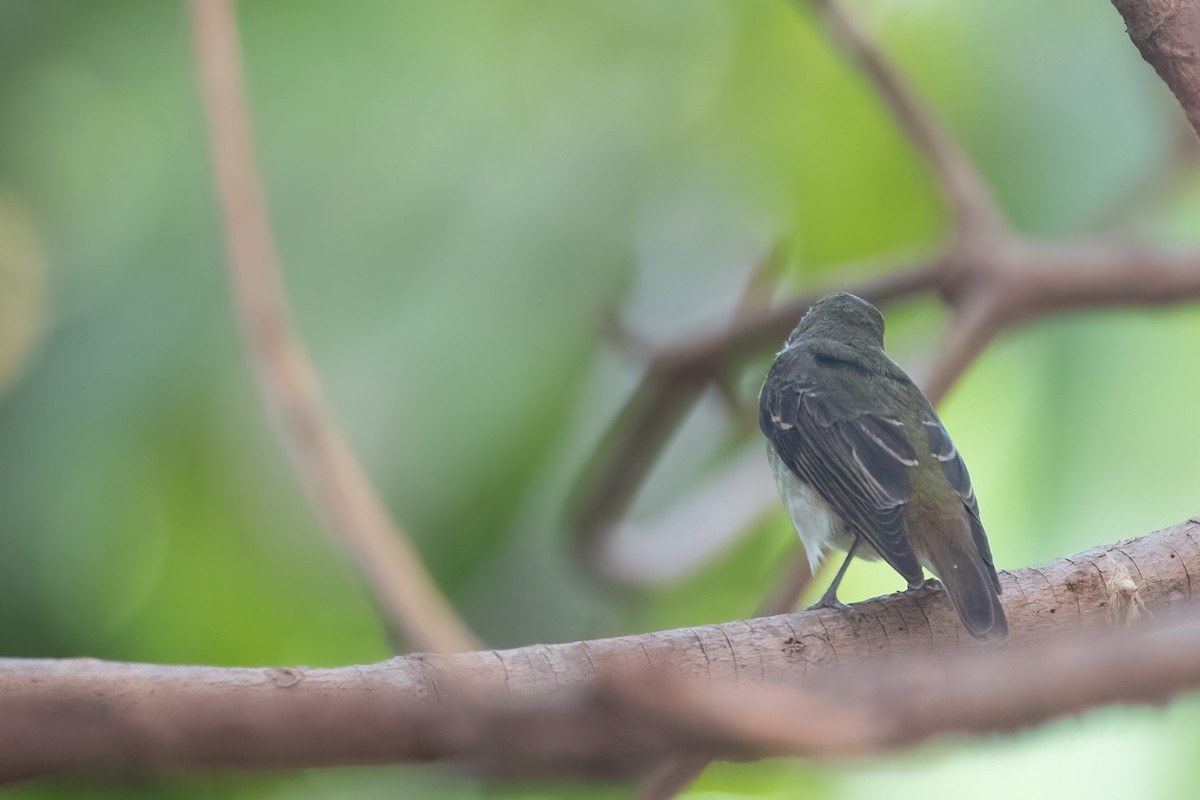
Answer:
(829, 601)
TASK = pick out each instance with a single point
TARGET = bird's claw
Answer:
(829, 602)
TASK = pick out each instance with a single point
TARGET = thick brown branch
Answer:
(1167, 33)
(672, 777)
(335, 482)
(85, 713)
(80, 714)
(615, 705)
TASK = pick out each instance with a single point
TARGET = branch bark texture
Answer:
(786, 684)
(1167, 34)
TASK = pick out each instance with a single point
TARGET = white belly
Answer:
(820, 528)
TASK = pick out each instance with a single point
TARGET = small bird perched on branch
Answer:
(864, 464)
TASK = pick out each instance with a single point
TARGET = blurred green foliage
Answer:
(461, 191)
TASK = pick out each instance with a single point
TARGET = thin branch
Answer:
(972, 208)
(824, 684)
(972, 327)
(1055, 278)
(334, 481)
(1032, 280)
(1167, 34)
(752, 335)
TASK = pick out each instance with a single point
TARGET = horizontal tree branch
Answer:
(1024, 281)
(742, 689)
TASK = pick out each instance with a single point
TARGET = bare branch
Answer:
(890, 673)
(334, 481)
(1030, 280)
(972, 208)
(1167, 34)
(1053, 278)
(91, 714)
(972, 327)
(83, 713)
(754, 334)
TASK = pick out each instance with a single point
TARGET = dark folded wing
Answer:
(956, 473)
(858, 462)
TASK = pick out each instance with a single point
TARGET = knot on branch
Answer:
(1125, 604)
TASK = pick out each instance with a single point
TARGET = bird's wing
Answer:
(956, 473)
(856, 459)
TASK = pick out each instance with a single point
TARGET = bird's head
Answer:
(843, 318)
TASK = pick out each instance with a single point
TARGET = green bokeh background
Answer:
(462, 191)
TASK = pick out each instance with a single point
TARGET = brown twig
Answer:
(1032, 280)
(974, 324)
(334, 481)
(973, 211)
(891, 673)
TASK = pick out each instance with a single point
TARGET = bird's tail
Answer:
(972, 587)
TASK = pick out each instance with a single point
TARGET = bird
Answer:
(864, 464)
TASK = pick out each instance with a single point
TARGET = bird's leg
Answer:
(829, 599)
